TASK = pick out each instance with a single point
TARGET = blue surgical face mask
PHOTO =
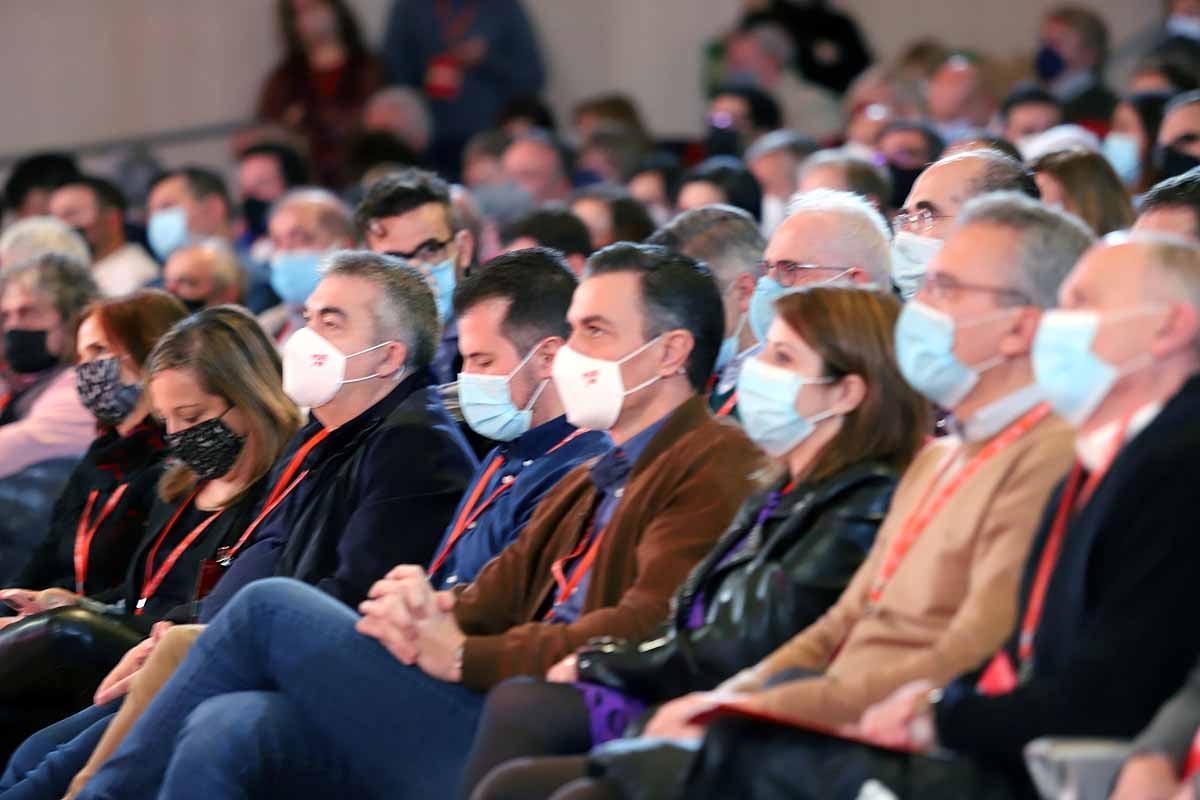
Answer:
(1073, 378)
(1123, 153)
(729, 346)
(925, 352)
(295, 274)
(767, 406)
(487, 405)
(766, 291)
(444, 278)
(911, 254)
(167, 231)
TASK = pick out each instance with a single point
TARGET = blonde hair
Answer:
(231, 357)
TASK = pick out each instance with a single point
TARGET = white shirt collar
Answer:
(999, 414)
(1093, 448)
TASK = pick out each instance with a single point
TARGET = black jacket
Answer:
(1115, 639)
(135, 460)
(786, 576)
(382, 495)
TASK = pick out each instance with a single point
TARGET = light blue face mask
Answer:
(1121, 150)
(487, 406)
(925, 352)
(767, 406)
(444, 277)
(729, 347)
(167, 231)
(295, 274)
(1073, 378)
(766, 291)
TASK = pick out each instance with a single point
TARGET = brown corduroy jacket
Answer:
(680, 495)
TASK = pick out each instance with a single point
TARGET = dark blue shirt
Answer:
(609, 474)
(533, 466)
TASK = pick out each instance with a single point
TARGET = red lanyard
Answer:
(925, 511)
(567, 586)
(5, 399)
(84, 532)
(727, 408)
(153, 578)
(1072, 500)
(455, 25)
(283, 487)
(470, 513)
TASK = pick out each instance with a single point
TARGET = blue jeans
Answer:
(43, 766)
(281, 690)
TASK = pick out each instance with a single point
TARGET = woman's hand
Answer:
(28, 601)
(116, 683)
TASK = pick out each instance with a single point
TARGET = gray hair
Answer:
(226, 268)
(725, 238)
(861, 175)
(65, 281)
(782, 140)
(1173, 257)
(33, 237)
(775, 41)
(405, 310)
(861, 235)
(418, 132)
(1049, 241)
(334, 216)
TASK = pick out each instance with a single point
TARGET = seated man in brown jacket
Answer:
(332, 703)
(937, 594)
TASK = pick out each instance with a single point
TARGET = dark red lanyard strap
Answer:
(153, 578)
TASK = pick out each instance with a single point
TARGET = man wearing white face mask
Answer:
(512, 320)
(727, 239)
(827, 236)
(937, 196)
(410, 215)
(360, 501)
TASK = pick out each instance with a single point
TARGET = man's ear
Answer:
(393, 363)
(1178, 331)
(543, 361)
(216, 215)
(743, 287)
(677, 351)
(465, 242)
(1018, 341)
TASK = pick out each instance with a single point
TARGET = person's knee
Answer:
(512, 701)
(234, 721)
(509, 781)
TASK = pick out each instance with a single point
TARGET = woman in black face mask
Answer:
(215, 383)
(100, 515)
(41, 418)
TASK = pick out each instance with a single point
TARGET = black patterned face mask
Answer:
(102, 393)
(208, 448)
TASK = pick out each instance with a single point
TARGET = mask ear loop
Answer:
(994, 361)
(374, 375)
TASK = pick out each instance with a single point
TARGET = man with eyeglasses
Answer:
(826, 236)
(935, 200)
(409, 214)
(937, 593)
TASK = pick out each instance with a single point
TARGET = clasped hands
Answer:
(28, 601)
(414, 623)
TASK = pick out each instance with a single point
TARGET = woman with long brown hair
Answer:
(1085, 184)
(826, 400)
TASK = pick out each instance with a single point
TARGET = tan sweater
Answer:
(951, 602)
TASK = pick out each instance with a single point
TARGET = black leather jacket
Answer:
(784, 578)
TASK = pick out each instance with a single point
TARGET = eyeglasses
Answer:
(941, 286)
(789, 273)
(428, 250)
(920, 221)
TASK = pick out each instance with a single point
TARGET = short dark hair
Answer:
(401, 192)
(1182, 191)
(291, 164)
(37, 171)
(538, 285)
(1088, 24)
(731, 176)
(677, 292)
(668, 168)
(631, 222)
(556, 228)
(1025, 94)
(201, 182)
(106, 192)
(764, 111)
(1182, 99)
(526, 106)
(726, 239)
(933, 140)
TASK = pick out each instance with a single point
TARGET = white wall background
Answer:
(76, 71)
